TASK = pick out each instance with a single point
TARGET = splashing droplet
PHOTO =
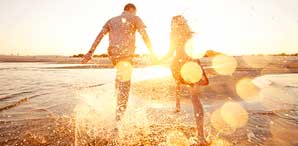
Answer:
(177, 138)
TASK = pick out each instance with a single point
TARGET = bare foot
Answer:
(201, 142)
(177, 110)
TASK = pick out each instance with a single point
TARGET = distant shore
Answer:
(289, 62)
(100, 62)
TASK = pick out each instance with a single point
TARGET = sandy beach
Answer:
(51, 103)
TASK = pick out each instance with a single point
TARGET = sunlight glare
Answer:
(124, 71)
(195, 48)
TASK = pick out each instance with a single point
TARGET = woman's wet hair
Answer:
(180, 27)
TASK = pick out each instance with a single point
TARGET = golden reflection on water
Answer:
(148, 73)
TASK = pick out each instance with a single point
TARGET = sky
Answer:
(67, 27)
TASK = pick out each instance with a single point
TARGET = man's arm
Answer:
(146, 40)
(172, 47)
(88, 56)
(98, 39)
(141, 27)
(96, 42)
(148, 44)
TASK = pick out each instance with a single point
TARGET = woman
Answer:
(180, 35)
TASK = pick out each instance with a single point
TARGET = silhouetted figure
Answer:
(180, 35)
(122, 30)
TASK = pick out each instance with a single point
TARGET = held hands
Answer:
(154, 58)
(164, 59)
(87, 57)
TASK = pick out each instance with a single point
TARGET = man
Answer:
(121, 49)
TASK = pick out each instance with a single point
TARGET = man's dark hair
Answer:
(129, 6)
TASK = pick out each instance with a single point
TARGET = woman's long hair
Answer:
(180, 30)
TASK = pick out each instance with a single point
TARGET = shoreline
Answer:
(273, 62)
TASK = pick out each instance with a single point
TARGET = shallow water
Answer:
(43, 105)
(41, 92)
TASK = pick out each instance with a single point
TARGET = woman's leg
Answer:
(198, 113)
(178, 91)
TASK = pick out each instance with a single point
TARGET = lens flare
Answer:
(191, 72)
(234, 114)
(247, 90)
(124, 71)
(219, 124)
(224, 65)
(177, 138)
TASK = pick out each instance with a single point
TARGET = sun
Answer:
(161, 43)
(160, 38)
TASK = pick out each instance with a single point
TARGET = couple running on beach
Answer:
(121, 30)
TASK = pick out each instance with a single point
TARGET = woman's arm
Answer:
(172, 47)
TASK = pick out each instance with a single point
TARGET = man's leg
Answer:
(122, 89)
(198, 113)
(122, 85)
